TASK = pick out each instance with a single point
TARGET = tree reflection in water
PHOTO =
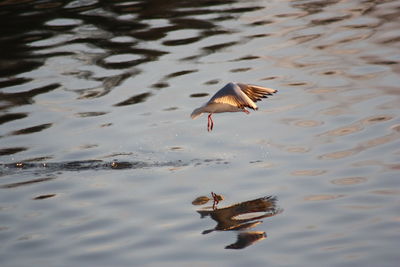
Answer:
(239, 217)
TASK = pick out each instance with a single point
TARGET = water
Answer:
(100, 162)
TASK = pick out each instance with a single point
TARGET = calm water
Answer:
(101, 165)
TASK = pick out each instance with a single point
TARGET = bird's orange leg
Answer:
(246, 111)
(210, 124)
(215, 200)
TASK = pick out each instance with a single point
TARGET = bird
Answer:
(233, 97)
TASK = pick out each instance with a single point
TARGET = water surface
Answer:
(100, 163)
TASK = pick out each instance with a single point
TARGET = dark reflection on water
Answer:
(13, 150)
(32, 129)
(93, 165)
(239, 217)
(134, 99)
(33, 33)
(92, 47)
(24, 98)
(13, 185)
(44, 196)
(85, 165)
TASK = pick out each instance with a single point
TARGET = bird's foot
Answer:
(246, 111)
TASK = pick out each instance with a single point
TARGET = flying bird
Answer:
(233, 97)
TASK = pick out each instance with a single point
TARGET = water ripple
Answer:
(98, 151)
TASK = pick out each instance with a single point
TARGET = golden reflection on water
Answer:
(322, 197)
(297, 149)
(363, 207)
(385, 166)
(349, 180)
(301, 122)
(357, 126)
(308, 172)
(345, 104)
(386, 192)
(288, 148)
(239, 217)
(338, 154)
(361, 147)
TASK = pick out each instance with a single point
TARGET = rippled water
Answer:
(101, 165)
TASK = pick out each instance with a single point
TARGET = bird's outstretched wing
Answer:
(233, 95)
(256, 93)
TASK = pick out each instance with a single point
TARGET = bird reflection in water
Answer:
(239, 217)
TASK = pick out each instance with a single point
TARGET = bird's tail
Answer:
(197, 112)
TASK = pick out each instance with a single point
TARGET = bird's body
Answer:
(233, 97)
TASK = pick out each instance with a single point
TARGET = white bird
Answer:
(233, 97)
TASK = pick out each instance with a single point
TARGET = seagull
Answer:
(233, 97)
